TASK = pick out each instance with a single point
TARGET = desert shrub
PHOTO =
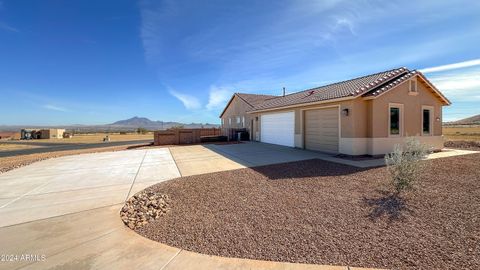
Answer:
(404, 164)
(142, 130)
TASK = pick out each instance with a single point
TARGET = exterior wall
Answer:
(380, 141)
(57, 133)
(380, 146)
(53, 133)
(365, 129)
(237, 108)
(44, 134)
(411, 112)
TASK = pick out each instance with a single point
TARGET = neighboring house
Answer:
(52, 133)
(365, 115)
(235, 113)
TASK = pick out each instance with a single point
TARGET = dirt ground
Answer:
(12, 162)
(325, 213)
(466, 133)
(9, 147)
(96, 138)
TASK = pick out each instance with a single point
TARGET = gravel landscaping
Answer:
(325, 213)
(467, 145)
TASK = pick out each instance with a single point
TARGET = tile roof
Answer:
(390, 84)
(350, 88)
(254, 100)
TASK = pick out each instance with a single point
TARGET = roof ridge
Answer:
(361, 77)
(238, 93)
(356, 78)
(378, 82)
(249, 103)
(390, 83)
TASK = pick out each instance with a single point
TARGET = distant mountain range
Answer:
(473, 120)
(143, 122)
(123, 125)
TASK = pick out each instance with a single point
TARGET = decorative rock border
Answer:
(143, 208)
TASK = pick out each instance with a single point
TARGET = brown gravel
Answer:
(320, 212)
(13, 162)
(469, 145)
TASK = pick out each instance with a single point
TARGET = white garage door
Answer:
(278, 128)
(321, 130)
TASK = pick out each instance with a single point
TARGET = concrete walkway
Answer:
(63, 213)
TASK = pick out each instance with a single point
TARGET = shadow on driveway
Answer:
(258, 156)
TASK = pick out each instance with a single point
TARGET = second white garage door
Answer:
(278, 128)
(321, 130)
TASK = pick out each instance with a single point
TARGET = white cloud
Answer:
(460, 85)
(7, 27)
(54, 108)
(464, 64)
(218, 97)
(190, 102)
(344, 22)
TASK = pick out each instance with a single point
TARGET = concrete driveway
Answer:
(199, 159)
(63, 213)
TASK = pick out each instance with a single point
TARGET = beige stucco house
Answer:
(366, 115)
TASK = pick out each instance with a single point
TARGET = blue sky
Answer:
(94, 62)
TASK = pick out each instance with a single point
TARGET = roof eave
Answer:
(230, 101)
(420, 75)
(444, 98)
(228, 104)
(304, 104)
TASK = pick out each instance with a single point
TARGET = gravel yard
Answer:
(467, 145)
(325, 213)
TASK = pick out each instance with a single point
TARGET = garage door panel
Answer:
(322, 130)
(325, 142)
(278, 128)
(334, 145)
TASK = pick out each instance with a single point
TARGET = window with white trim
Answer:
(230, 122)
(427, 121)
(243, 121)
(395, 122)
(238, 120)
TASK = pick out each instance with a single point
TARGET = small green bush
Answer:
(404, 164)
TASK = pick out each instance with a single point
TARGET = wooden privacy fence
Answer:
(183, 136)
